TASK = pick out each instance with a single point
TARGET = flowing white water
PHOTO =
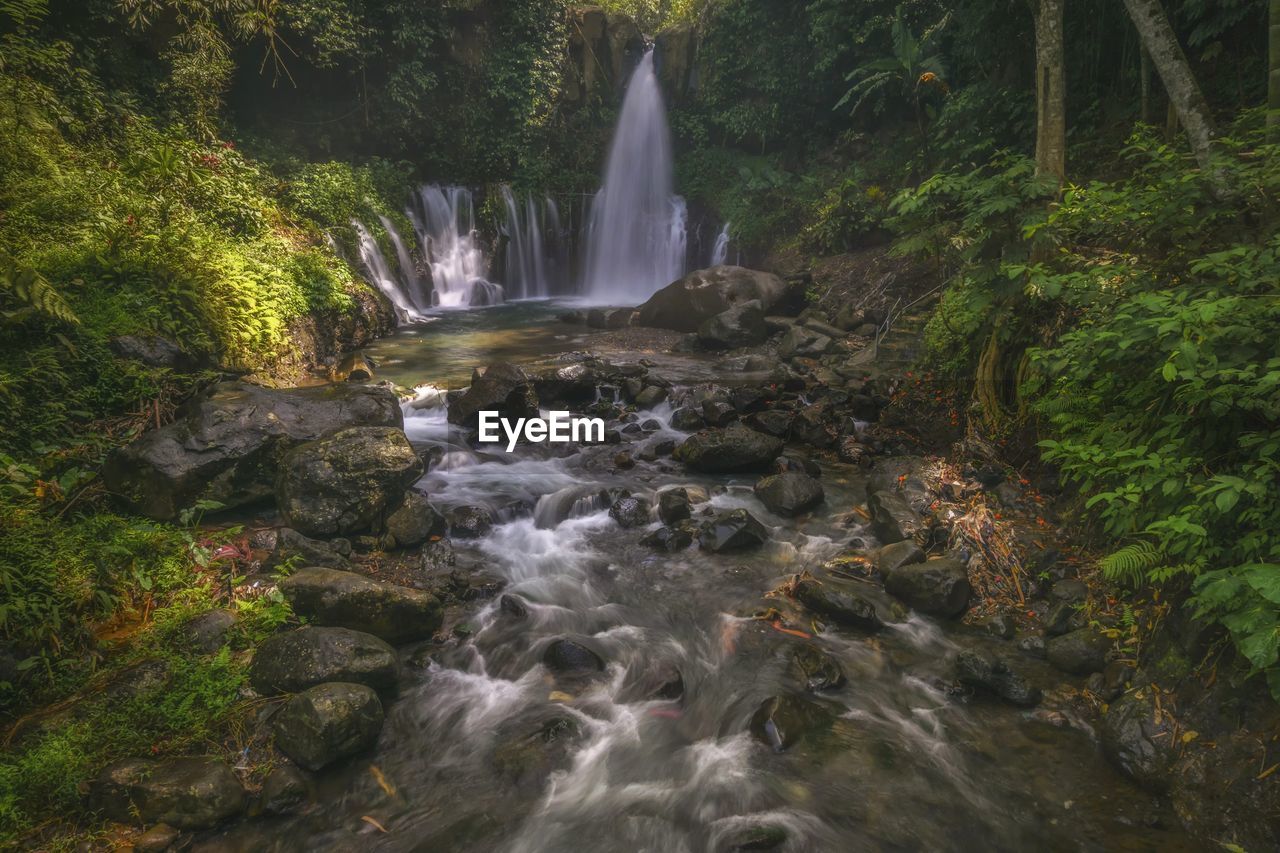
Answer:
(720, 251)
(445, 221)
(379, 272)
(417, 291)
(526, 250)
(635, 241)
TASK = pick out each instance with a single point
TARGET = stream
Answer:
(484, 748)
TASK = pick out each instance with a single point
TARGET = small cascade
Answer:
(417, 291)
(526, 270)
(379, 272)
(720, 251)
(444, 218)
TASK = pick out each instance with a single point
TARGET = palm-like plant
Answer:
(913, 65)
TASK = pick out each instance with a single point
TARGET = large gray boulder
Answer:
(340, 599)
(1139, 738)
(311, 655)
(327, 722)
(502, 388)
(732, 449)
(938, 587)
(799, 342)
(226, 446)
(687, 303)
(789, 493)
(188, 793)
(740, 326)
(346, 482)
(892, 517)
(996, 674)
(846, 602)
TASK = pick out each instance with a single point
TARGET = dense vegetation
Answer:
(172, 166)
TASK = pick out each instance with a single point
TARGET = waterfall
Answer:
(445, 222)
(526, 275)
(375, 264)
(635, 242)
(720, 251)
(417, 291)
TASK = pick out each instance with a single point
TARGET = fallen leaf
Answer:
(373, 823)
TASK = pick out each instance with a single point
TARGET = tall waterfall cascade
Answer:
(444, 218)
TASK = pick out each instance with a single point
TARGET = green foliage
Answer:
(849, 215)
(913, 68)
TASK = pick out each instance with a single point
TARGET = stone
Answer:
(1062, 616)
(469, 522)
(208, 631)
(328, 722)
(1079, 652)
(814, 425)
(284, 790)
(294, 548)
(718, 413)
(789, 494)
(187, 793)
(735, 530)
(154, 351)
(798, 342)
(814, 669)
(674, 505)
(685, 304)
(892, 517)
(502, 388)
(843, 602)
(334, 598)
(1140, 740)
(651, 396)
(1069, 590)
(898, 554)
(292, 661)
(781, 722)
(739, 326)
(354, 367)
(611, 319)
(567, 656)
(630, 511)
(670, 539)
(938, 587)
(347, 481)
(226, 447)
(686, 419)
(735, 448)
(997, 675)
(413, 522)
(775, 422)
(157, 839)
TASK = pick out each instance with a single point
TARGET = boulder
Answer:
(630, 511)
(284, 789)
(1079, 652)
(997, 675)
(685, 304)
(686, 419)
(735, 530)
(814, 669)
(469, 522)
(570, 657)
(157, 839)
(327, 722)
(902, 553)
(789, 494)
(346, 482)
(938, 587)
(718, 413)
(781, 722)
(674, 505)
(670, 539)
(413, 522)
(295, 548)
(187, 793)
(208, 631)
(610, 318)
(502, 388)
(1140, 739)
(651, 396)
(799, 342)
(775, 422)
(347, 600)
(892, 517)
(295, 660)
(226, 447)
(844, 602)
(154, 351)
(740, 326)
(734, 448)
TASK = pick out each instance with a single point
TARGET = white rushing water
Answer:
(720, 251)
(445, 222)
(636, 240)
(379, 272)
(526, 271)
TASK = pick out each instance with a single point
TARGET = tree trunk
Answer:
(1051, 96)
(1161, 43)
(1144, 82)
(1273, 76)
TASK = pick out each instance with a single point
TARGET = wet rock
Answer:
(653, 679)
(295, 660)
(814, 669)
(157, 839)
(843, 602)
(1032, 644)
(513, 607)
(898, 554)
(295, 548)
(798, 342)
(1069, 590)
(208, 631)
(735, 448)
(187, 793)
(775, 422)
(503, 388)
(739, 326)
(284, 790)
(413, 522)
(1000, 625)
(657, 449)
(1079, 652)
(686, 304)
(345, 482)
(781, 722)
(938, 587)
(1063, 616)
(892, 517)
(327, 722)
(995, 674)
(796, 464)
(673, 505)
(746, 400)
(622, 459)
(813, 425)
(1140, 739)
(568, 656)
(354, 367)
(530, 747)
(686, 419)
(735, 530)
(226, 447)
(650, 397)
(822, 328)
(670, 539)
(154, 351)
(469, 522)
(789, 494)
(718, 413)
(610, 318)
(339, 599)
(754, 839)
(630, 511)
(903, 475)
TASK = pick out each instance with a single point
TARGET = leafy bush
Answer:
(849, 215)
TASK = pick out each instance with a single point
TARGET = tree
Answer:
(1051, 96)
(1161, 43)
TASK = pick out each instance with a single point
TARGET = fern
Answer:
(34, 294)
(1131, 564)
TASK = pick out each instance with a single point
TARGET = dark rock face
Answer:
(609, 318)
(327, 722)
(413, 522)
(673, 505)
(291, 544)
(650, 396)
(154, 351)
(938, 587)
(346, 600)
(1140, 740)
(1079, 652)
(686, 419)
(997, 675)
(814, 669)
(630, 511)
(733, 449)
(570, 657)
(846, 603)
(814, 425)
(740, 326)
(295, 660)
(686, 304)
(188, 793)
(798, 342)
(284, 790)
(670, 539)
(898, 554)
(892, 518)
(226, 447)
(718, 413)
(775, 422)
(532, 745)
(784, 721)
(208, 631)
(735, 530)
(469, 522)
(503, 388)
(789, 494)
(345, 482)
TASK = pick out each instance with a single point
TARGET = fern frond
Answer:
(33, 291)
(1131, 564)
